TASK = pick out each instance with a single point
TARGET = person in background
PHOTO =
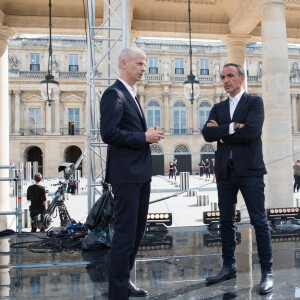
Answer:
(175, 168)
(207, 169)
(170, 170)
(37, 195)
(201, 166)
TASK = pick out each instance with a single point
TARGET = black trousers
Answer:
(296, 183)
(131, 202)
(252, 189)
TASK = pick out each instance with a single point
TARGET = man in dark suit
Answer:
(236, 125)
(129, 169)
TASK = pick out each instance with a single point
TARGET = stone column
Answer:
(57, 114)
(277, 133)
(48, 118)
(5, 34)
(236, 45)
(87, 114)
(166, 124)
(9, 109)
(189, 117)
(294, 113)
(218, 98)
(17, 112)
(195, 118)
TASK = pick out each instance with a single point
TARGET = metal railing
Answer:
(18, 184)
(32, 131)
(72, 131)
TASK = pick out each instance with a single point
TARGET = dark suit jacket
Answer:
(245, 143)
(123, 128)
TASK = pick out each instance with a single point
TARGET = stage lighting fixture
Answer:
(158, 221)
(283, 238)
(156, 241)
(212, 218)
(284, 216)
(213, 238)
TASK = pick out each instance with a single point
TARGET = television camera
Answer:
(68, 186)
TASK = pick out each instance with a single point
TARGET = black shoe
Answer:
(135, 291)
(224, 274)
(266, 284)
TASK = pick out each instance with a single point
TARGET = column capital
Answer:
(237, 39)
(141, 94)
(294, 96)
(166, 95)
(5, 34)
(17, 92)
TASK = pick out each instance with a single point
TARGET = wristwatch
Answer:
(238, 125)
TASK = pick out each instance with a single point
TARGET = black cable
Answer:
(176, 194)
(271, 162)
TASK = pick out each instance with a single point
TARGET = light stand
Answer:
(49, 87)
(191, 85)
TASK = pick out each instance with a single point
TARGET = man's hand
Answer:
(154, 135)
(212, 123)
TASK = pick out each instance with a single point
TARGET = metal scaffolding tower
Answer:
(100, 42)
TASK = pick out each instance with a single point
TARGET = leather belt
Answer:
(230, 164)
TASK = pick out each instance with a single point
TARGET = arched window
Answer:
(181, 149)
(204, 110)
(207, 149)
(153, 114)
(156, 150)
(179, 118)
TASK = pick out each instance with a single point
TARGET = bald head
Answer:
(129, 53)
(132, 65)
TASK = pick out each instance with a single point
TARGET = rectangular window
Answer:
(247, 67)
(179, 66)
(204, 68)
(73, 121)
(73, 63)
(35, 121)
(153, 65)
(34, 61)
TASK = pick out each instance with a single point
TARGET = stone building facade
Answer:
(53, 135)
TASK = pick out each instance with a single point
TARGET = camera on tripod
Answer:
(69, 175)
(68, 186)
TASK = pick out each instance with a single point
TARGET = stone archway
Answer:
(34, 153)
(158, 161)
(184, 158)
(72, 154)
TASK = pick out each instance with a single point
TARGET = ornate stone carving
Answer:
(55, 63)
(293, 4)
(14, 62)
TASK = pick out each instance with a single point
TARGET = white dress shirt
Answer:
(132, 91)
(233, 102)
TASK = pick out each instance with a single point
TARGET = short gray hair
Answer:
(129, 53)
(239, 68)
